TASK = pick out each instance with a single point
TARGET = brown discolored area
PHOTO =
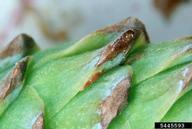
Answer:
(114, 103)
(122, 45)
(22, 44)
(93, 78)
(39, 123)
(14, 79)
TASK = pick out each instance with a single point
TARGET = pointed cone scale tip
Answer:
(22, 44)
(126, 24)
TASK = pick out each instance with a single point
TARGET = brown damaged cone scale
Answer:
(115, 102)
(19, 48)
(13, 64)
(101, 102)
(110, 79)
(14, 79)
(131, 30)
(132, 33)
